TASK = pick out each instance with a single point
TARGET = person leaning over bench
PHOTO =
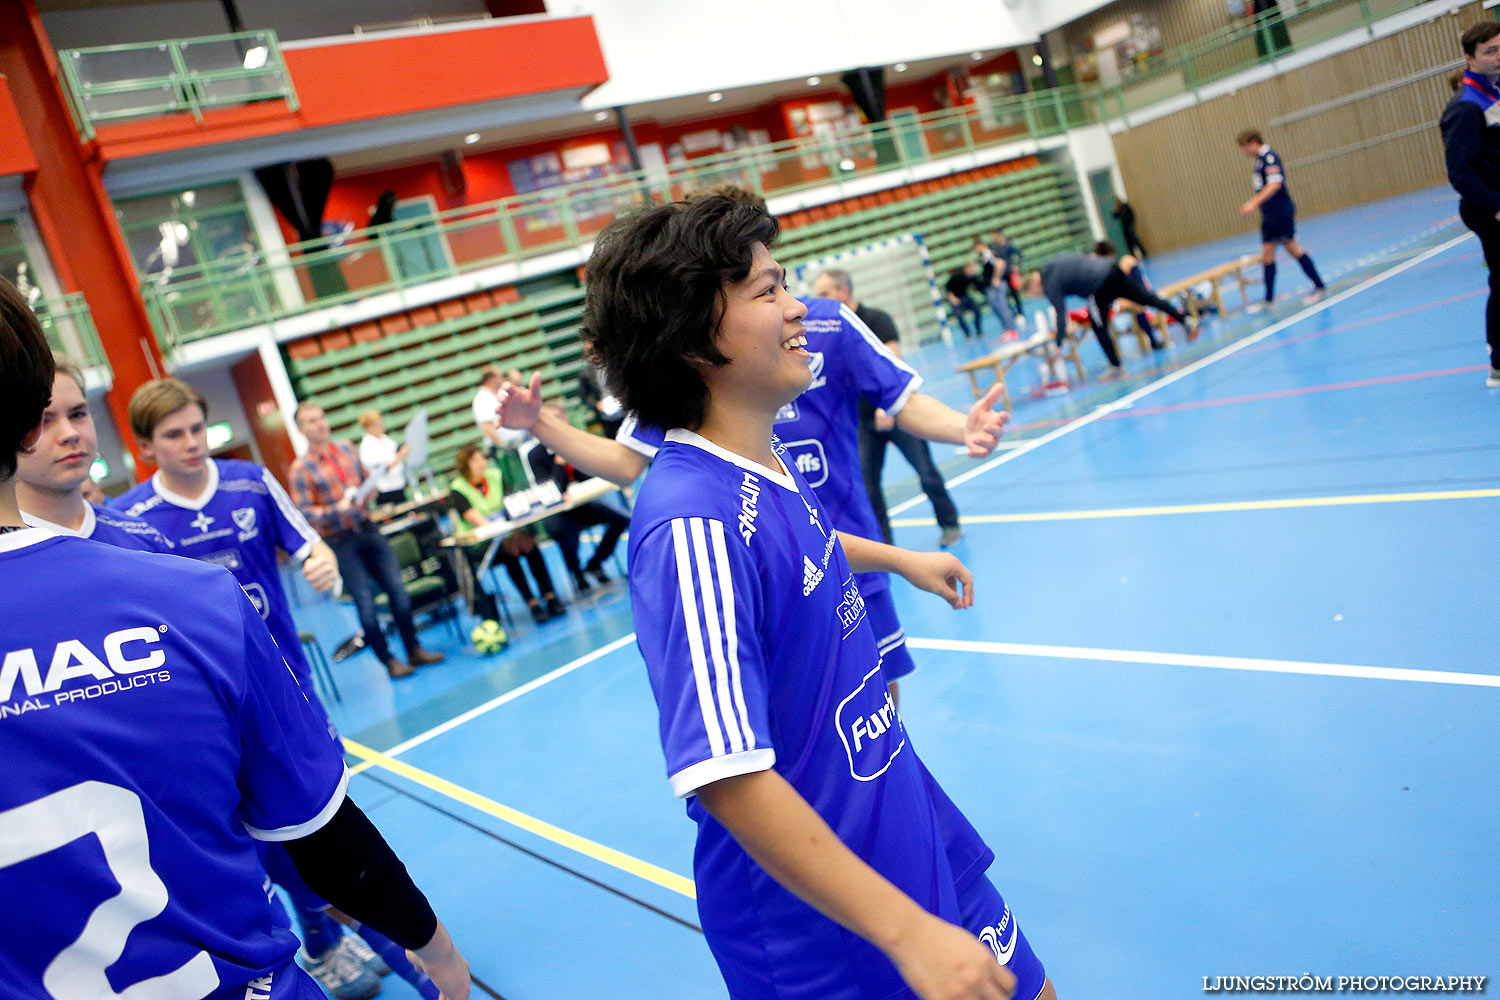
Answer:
(1099, 278)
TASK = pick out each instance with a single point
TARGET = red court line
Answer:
(1284, 393)
(1271, 345)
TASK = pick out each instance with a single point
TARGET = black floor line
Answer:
(531, 854)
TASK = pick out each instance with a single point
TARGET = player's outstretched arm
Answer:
(786, 837)
(979, 430)
(939, 573)
(347, 862)
(521, 408)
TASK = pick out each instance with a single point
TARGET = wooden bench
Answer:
(1005, 357)
(1215, 277)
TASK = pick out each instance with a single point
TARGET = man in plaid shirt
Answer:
(324, 483)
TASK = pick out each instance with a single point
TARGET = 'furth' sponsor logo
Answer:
(870, 727)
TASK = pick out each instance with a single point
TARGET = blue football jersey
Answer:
(1269, 168)
(149, 729)
(820, 428)
(110, 527)
(760, 656)
(239, 522)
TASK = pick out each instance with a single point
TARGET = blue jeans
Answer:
(366, 562)
(1001, 308)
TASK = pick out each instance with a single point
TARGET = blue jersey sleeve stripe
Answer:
(688, 591)
(731, 631)
(311, 826)
(706, 772)
(717, 606)
(293, 516)
(626, 436)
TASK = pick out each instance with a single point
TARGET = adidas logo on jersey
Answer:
(811, 576)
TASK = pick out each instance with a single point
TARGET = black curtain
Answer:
(867, 87)
(300, 193)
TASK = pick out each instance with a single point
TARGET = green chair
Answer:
(429, 594)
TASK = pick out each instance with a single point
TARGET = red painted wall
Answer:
(16, 156)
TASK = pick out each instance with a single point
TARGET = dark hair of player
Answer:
(1104, 248)
(1248, 136)
(1478, 35)
(26, 371)
(655, 297)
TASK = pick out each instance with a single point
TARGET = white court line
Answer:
(511, 695)
(1128, 400)
(1210, 662)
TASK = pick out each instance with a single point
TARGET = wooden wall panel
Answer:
(1187, 179)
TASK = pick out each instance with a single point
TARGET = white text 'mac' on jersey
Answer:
(239, 522)
(760, 656)
(146, 735)
(820, 428)
(110, 527)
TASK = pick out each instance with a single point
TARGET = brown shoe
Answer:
(424, 658)
(398, 670)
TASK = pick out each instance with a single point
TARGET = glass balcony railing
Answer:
(113, 83)
(245, 289)
(70, 329)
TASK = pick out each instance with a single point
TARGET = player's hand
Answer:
(1247, 207)
(984, 425)
(321, 572)
(940, 961)
(941, 573)
(520, 405)
(402, 452)
(884, 421)
(447, 968)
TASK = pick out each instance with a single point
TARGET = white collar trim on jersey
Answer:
(85, 530)
(683, 436)
(13, 540)
(160, 487)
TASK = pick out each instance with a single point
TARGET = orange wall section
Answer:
(16, 156)
(371, 78)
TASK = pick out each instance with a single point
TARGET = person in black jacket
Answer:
(1471, 146)
(1126, 215)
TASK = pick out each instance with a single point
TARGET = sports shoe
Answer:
(1009, 336)
(349, 647)
(581, 583)
(555, 607)
(1313, 297)
(364, 954)
(1256, 307)
(1193, 324)
(950, 537)
(1493, 382)
(1113, 373)
(342, 975)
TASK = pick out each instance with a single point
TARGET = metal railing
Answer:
(70, 329)
(110, 83)
(245, 289)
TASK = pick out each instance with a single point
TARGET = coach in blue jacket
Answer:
(1471, 145)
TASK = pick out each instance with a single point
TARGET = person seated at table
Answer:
(566, 527)
(477, 496)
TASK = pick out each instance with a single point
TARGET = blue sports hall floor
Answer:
(1226, 704)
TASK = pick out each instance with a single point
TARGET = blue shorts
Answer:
(1278, 228)
(986, 915)
(880, 609)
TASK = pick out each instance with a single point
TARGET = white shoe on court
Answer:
(1493, 382)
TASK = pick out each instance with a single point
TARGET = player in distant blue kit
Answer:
(150, 734)
(235, 514)
(829, 863)
(51, 476)
(1278, 217)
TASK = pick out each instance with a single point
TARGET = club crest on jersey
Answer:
(257, 595)
(819, 380)
(244, 519)
(810, 460)
(749, 495)
(811, 576)
(870, 727)
(788, 413)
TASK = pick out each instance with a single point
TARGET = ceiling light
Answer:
(976, 56)
(471, 138)
(1036, 60)
(715, 97)
(813, 81)
(601, 116)
(900, 67)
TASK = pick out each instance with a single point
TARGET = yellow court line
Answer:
(572, 841)
(1289, 503)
